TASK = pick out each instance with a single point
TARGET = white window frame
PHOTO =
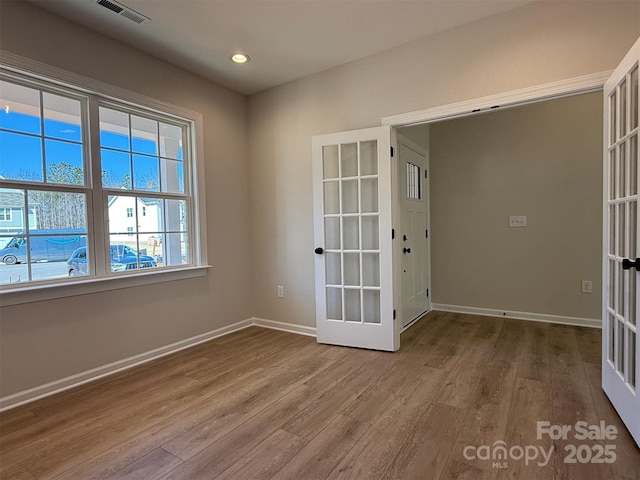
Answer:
(7, 215)
(20, 67)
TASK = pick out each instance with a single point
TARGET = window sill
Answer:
(38, 293)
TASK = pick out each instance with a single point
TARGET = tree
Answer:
(63, 210)
(55, 209)
(108, 180)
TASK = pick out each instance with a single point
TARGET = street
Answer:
(40, 271)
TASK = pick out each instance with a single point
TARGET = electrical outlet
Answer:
(517, 221)
(587, 286)
(280, 291)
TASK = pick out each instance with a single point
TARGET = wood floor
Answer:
(261, 404)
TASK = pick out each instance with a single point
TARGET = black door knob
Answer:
(629, 264)
(406, 250)
(319, 251)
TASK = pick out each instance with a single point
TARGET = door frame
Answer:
(516, 98)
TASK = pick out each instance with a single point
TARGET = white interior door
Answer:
(620, 340)
(413, 196)
(352, 224)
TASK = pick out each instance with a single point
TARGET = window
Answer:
(5, 214)
(71, 161)
(413, 182)
(144, 154)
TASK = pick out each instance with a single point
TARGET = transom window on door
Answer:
(90, 186)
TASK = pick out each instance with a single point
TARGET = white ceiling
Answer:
(286, 39)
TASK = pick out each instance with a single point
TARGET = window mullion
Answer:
(42, 138)
(196, 235)
(97, 208)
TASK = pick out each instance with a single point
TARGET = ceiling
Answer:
(286, 39)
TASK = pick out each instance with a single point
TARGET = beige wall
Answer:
(543, 161)
(259, 213)
(534, 45)
(46, 341)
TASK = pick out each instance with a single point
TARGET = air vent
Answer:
(123, 11)
(111, 6)
(133, 16)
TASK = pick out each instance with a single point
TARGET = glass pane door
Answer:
(620, 362)
(623, 211)
(352, 215)
(622, 207)
(351, 218)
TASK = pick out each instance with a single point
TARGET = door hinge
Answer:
(427, 233)
(392, 152)
(426, 174)
(393, 233)
(394, 313)
(427, 292)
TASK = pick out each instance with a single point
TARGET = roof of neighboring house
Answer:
(11, 198)
(144, 201)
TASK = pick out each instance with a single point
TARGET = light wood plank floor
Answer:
(261, 404)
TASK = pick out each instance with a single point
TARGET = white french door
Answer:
(620, 339)
(352, 225)
(413, 239)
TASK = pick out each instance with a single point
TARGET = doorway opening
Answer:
(534, 161)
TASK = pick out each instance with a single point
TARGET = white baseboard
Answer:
(51, 388)
(41, 391)
(533, 317)
(285, 327)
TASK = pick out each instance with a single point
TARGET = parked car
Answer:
(123, 258)
(51, 245)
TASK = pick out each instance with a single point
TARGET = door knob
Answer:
(406, 250)
(628, 264)
(319, 251)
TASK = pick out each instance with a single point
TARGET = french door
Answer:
(620, 339)
(352, 226)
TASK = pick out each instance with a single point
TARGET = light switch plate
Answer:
(518, 221)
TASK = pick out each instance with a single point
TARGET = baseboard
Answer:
(57, 386)
(51, 388)
(285, 327)
(533, 317)
(41, 391)
(414, 321)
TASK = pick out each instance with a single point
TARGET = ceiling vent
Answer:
(123, 11)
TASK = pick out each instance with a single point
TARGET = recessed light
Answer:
(239, 57)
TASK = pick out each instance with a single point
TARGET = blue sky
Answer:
(21, 152)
